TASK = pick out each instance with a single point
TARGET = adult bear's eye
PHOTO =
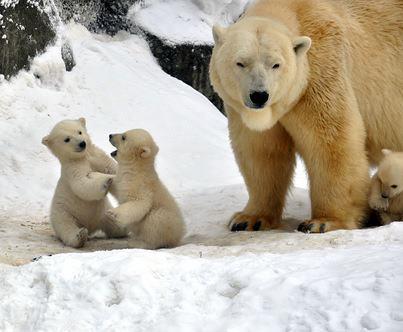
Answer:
(67, 140)
(276, 66)
(123, 137)
(394, 186)
(240, 64)
(80, 133)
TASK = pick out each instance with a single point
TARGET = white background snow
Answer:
(217, 281)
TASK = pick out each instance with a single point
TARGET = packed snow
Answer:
(278, 280)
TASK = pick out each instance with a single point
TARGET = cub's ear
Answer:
(386, 152)
(46, 140)
(301, 45)
(82, 121)
(219, 34)
(145, 152)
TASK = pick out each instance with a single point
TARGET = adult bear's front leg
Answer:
(331, 140)
(266, 161)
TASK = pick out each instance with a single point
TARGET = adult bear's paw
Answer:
(320, 225)
(246, 222)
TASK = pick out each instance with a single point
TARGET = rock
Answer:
(68, 56)
(84, 12)
(107, 16)
(186, 62)
(26, 30)
(112, 16)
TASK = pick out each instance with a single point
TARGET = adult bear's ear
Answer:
(82, 121)
(218, 34)
(145, 152)
(386, 152)
(46, 140)
(301, 45)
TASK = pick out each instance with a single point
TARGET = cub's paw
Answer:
(246, 222)
(380, 204)
(107, 184)
(112, 215)
(81, 238)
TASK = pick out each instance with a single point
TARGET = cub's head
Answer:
(133, 145)
(68, 139)
(390, 173)
(257, 64)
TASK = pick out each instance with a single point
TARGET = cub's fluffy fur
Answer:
(79, 202)
(387, 187)
(146, 208)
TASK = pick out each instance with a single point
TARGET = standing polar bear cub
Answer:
(146, 208)
(79, 202)
(322, 78)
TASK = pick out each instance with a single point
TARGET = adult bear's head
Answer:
(259, 69)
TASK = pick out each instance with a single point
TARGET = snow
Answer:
(279, 280)
(167, 18)
(313, 290)
(116, 85)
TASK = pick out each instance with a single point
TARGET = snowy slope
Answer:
(117, 86)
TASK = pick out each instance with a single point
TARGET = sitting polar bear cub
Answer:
(387, 187)
(79, 202)
(147, 210)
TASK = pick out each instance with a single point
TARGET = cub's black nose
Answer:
(110, 136)
(82, 145)
(385, 196)
(114, 153)
(259, 98)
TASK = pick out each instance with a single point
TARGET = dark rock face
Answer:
(26, 30)
(107, 16)
(187, 62)
(68, 56)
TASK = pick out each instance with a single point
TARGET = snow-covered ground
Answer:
(280, 280)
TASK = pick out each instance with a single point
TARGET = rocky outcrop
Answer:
(187, 62)
(107, 16)
(26, 30)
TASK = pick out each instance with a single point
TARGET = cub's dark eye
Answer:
(276, 66)
(66, 140)
(123, 137)
(394, 186)
(240, 64)
(80, 133)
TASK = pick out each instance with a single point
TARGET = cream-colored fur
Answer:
(335, 99)
(79, 202)
(387, 187)
(146, 208)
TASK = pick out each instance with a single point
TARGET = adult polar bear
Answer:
(337, 103)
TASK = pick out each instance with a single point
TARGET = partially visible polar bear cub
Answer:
(387, 187)
(79, 202)
(146, 208)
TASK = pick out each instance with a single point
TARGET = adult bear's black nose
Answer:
(110, 136)
(385, 195)
(259, 98)
(82, 145)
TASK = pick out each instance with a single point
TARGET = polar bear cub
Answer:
(79, 202)
(146, 208)
(387, 187)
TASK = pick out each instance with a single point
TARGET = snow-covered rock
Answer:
(26, 28)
